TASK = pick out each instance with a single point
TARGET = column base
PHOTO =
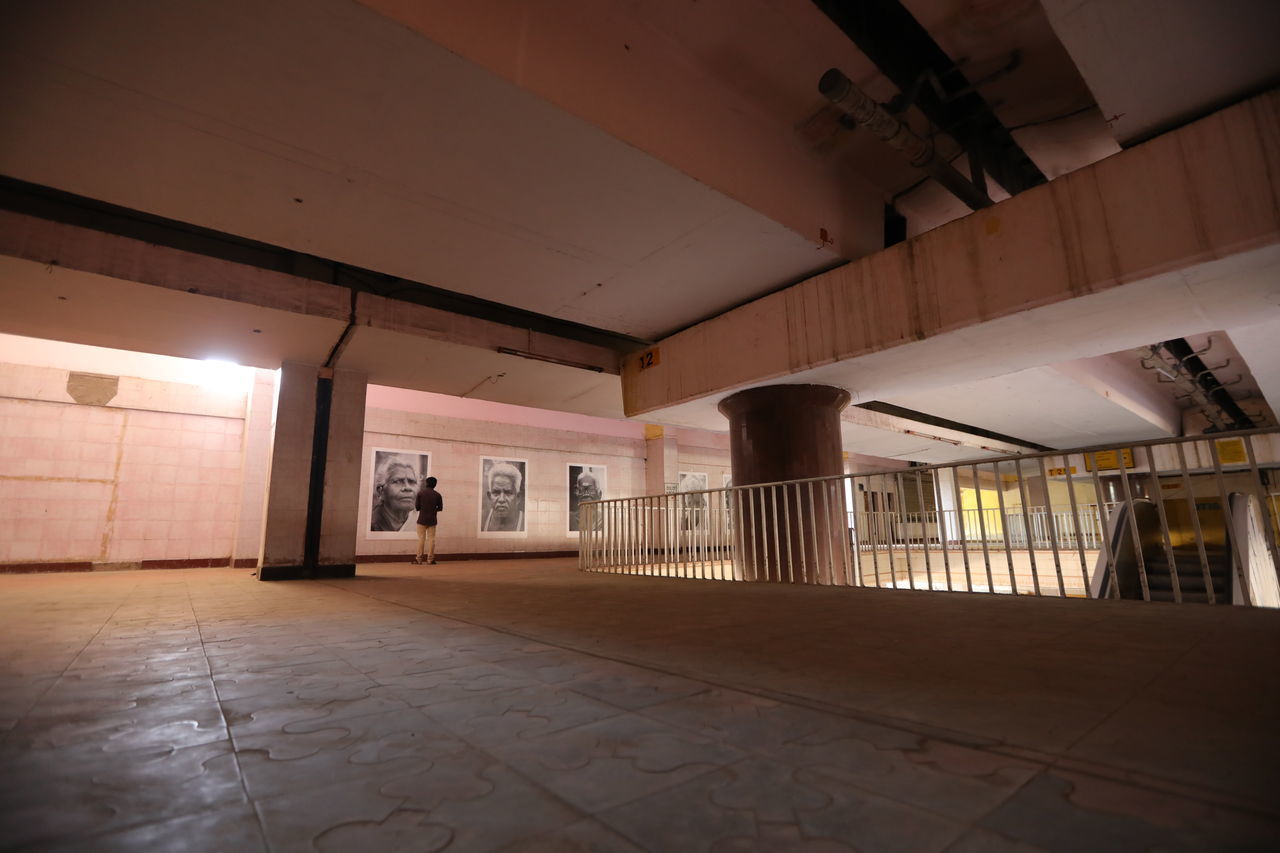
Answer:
(306, 573)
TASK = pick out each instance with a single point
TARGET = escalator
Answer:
(1199, 547)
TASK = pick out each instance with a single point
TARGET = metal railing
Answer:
(1053, 528)
(927, 528)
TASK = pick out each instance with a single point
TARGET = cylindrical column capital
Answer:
(785, 432)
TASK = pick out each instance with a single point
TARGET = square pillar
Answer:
(255, 468)
(315, 474)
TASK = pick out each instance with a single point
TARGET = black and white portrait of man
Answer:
(502, 497)
(395, 477)
(693, 505)
(586, 483)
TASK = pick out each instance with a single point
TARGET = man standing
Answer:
(428, 503)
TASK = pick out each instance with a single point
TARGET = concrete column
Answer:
(315, 473)
(342, 469)
(949, 509)
(255, 466)
(789, 432)
(661, 460)
(661, 475)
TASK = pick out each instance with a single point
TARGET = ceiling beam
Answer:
(896, 42)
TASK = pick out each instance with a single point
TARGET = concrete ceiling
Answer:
(374, 147)
(1040, 404)
(1155, 64)
(634, 167)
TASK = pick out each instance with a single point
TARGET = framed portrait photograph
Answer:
(503, 488)
(586, 482)
(693, 507)
(395, 476)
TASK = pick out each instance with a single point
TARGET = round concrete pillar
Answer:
(795, 533)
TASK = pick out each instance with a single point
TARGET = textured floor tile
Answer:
(465, 681)
(615, 760)
(303, 678)
(213, 832)
(504, 716)
(557, 666)
(758, 805)
(956, 781)
(1067, 811)
(306, 710)
(801, 779)
(683, 818)
(585, 836)
(52, 794)
(759, 724)
(389, 661)
(463, 801)
(489, 645)
(633, 687)
(174, 725)
(869, 822)
(19, 693)
(71, 697)
(376, 745)
(124, 668)
(259, 661)
(978, 840)
(1138, 737)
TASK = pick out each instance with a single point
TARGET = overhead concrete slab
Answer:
(375, 147)
(1259, 344)
(1172, 238)
(406, 361)
(1154, 64)
(1041, 404)
(57, 303)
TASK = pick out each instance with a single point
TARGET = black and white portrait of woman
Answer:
(395, 477)
(502, 497)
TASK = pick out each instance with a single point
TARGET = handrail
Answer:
(914, 528)
(1016, 457)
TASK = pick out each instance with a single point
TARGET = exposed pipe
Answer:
(865, 112)
(1209, 384)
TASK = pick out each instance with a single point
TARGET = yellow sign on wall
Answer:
(1108, 460)
(1231, 451)
(1060, 472)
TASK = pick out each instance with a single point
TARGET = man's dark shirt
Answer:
(428, 504)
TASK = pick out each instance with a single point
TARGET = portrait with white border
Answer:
(693, 507)
(586, 482)
(395, 476)
(503, 490)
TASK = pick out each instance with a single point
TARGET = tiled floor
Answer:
(527, 706)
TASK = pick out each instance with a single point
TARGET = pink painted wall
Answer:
(137, 479)
(175, 466)
(458, 433)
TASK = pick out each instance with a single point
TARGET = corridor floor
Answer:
(526, 706)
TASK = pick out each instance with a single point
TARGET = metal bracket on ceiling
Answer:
(1015, 60)
(1224, 364)
(866, 112)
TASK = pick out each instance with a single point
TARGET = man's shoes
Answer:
(432, 561)
(417, 561)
